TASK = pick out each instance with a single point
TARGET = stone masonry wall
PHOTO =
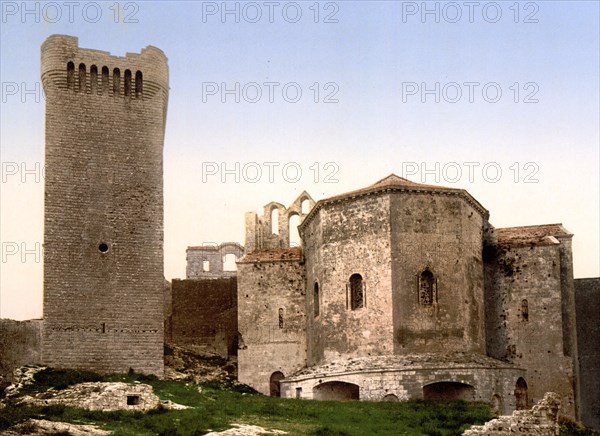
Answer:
(441, 234)
(20, 344)
(345, 239)
(271, 318)
(525, 321)
(103, 230)
(206, 261)
(587, 299)
(205, 314)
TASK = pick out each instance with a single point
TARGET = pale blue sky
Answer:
(366, 57)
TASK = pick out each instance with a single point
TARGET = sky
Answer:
(268, 99)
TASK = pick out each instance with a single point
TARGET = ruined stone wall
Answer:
(587, 299)
(205, 314)
(103, 230)
(541, 420)
(343, 239)
(207, 261)
(20, 344)
(271, 319)
(440, 234)
(525, 317)
(272, 230)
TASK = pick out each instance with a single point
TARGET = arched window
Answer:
(524, 311)
(305, 206)
(427, 288)
(521, 394)
(229, 262)
(275, 221)
(70, 75)
(104, 80)
(116, 81)
(293, 223)
(139, 84)
(127, 83)
(316, 303)
(94, 79)
(356, 291)
(82, 77)
(280, 317)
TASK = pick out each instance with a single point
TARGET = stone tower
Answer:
(103, 235)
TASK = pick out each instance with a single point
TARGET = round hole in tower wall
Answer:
(103, 247)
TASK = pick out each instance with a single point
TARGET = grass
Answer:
(215, 408)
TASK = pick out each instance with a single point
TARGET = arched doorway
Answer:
(336, 390)
(448, 391)
(275, 384)
(521, 394)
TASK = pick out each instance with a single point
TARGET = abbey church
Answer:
(406, 291)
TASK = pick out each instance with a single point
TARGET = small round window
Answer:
(103, 247)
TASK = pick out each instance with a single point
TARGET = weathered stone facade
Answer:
(103, 232)
(204, 315)
(587, 299)
(213, 261)
(20, 344)
(409, 293)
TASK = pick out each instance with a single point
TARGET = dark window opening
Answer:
(356, 292)
(316, 300)
(280, 318)
(427, 288)
(116, 81)
(104, 80)
(94, 79)
(133, 400)
(298, 392)
(70, 75)
(103, 248)
(138, 84)
(82, 77)
(525, 310)
(127, 83)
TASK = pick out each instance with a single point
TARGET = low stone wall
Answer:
(541, 420)
(19, 344)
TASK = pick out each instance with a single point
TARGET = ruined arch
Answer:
(390, 398)
(275, 384)
(336, 390)
(521, 399)
(275, 220)
(293, 223)
(448, 390)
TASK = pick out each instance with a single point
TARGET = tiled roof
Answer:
(544, 234)
(273, 254)
(394, 182)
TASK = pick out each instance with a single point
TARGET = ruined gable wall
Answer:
(345, 238)
(20, 344)
(533, 341)
(205, 314)
(587, 299)
(265, 345)
(103, 231)
(441, 233)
